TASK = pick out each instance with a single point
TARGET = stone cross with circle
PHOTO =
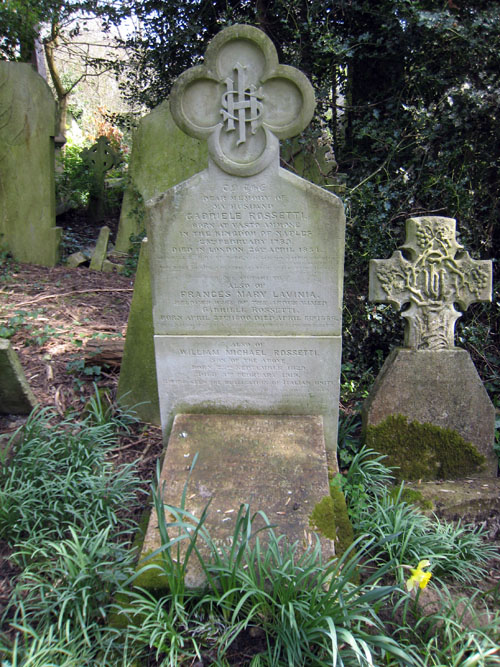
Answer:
(242, 101)
(435, 274)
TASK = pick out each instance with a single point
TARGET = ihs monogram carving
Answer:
(434, 276)
(242, 101)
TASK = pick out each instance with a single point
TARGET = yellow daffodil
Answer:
(418, 576)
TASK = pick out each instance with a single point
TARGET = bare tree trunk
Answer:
(61, 93)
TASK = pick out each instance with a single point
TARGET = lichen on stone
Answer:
(423, 451)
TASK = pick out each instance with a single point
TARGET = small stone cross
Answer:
(99, 158)
(436, 275)
(242, 101)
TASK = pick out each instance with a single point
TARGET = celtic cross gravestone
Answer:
(435, 276)
(431, 381)
(99, 158)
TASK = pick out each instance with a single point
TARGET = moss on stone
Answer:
(330, 519)
(412, 497)
(322, 518)
(423, 451)
(345, 533)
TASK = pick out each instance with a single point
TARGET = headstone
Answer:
(246, 258)
(137, 386)
(99, 158)
(27, 187)
(16, 397)
(283, 474)
(101, 249)
(162, 156)
(430, 381)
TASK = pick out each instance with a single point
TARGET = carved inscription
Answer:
(250, 255)
(274, 374)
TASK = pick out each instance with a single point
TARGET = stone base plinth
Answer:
(439, 387)
(276, 464)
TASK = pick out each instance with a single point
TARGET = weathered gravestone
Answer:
(16, 397)
(246, 269)
(100, 250)
(99, 158)
(27, 190)
(162, 156)
(246, 258)
(430, 383)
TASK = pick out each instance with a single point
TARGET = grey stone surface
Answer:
(274, 464)
(250, 374)
(162, 156)
(436, 275)
(27, 190)
(440, 387)
(16, 397)
(244, 253)
(101, 249)
(137, 386)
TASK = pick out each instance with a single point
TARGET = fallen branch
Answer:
(79, 291)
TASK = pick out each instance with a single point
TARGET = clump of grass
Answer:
(402, 533)
(60, 476)
(309, 611)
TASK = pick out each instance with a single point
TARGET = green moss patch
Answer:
(330, 519)
(423, 451)
(412, 497)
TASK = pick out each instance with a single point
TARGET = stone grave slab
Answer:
(276, 464)
(16, 397)
(27, 186)
(430, 380)
(245, 255)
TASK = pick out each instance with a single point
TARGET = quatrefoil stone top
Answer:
(242, 101)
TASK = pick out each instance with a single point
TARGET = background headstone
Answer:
(246, 258)
(162, 156)
(431, 381)
(16, 397)
(137, 386)
(101, 249)
(99, 158)
(27, 187)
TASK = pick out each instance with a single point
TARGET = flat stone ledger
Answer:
(274, 464)
(440, 387)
